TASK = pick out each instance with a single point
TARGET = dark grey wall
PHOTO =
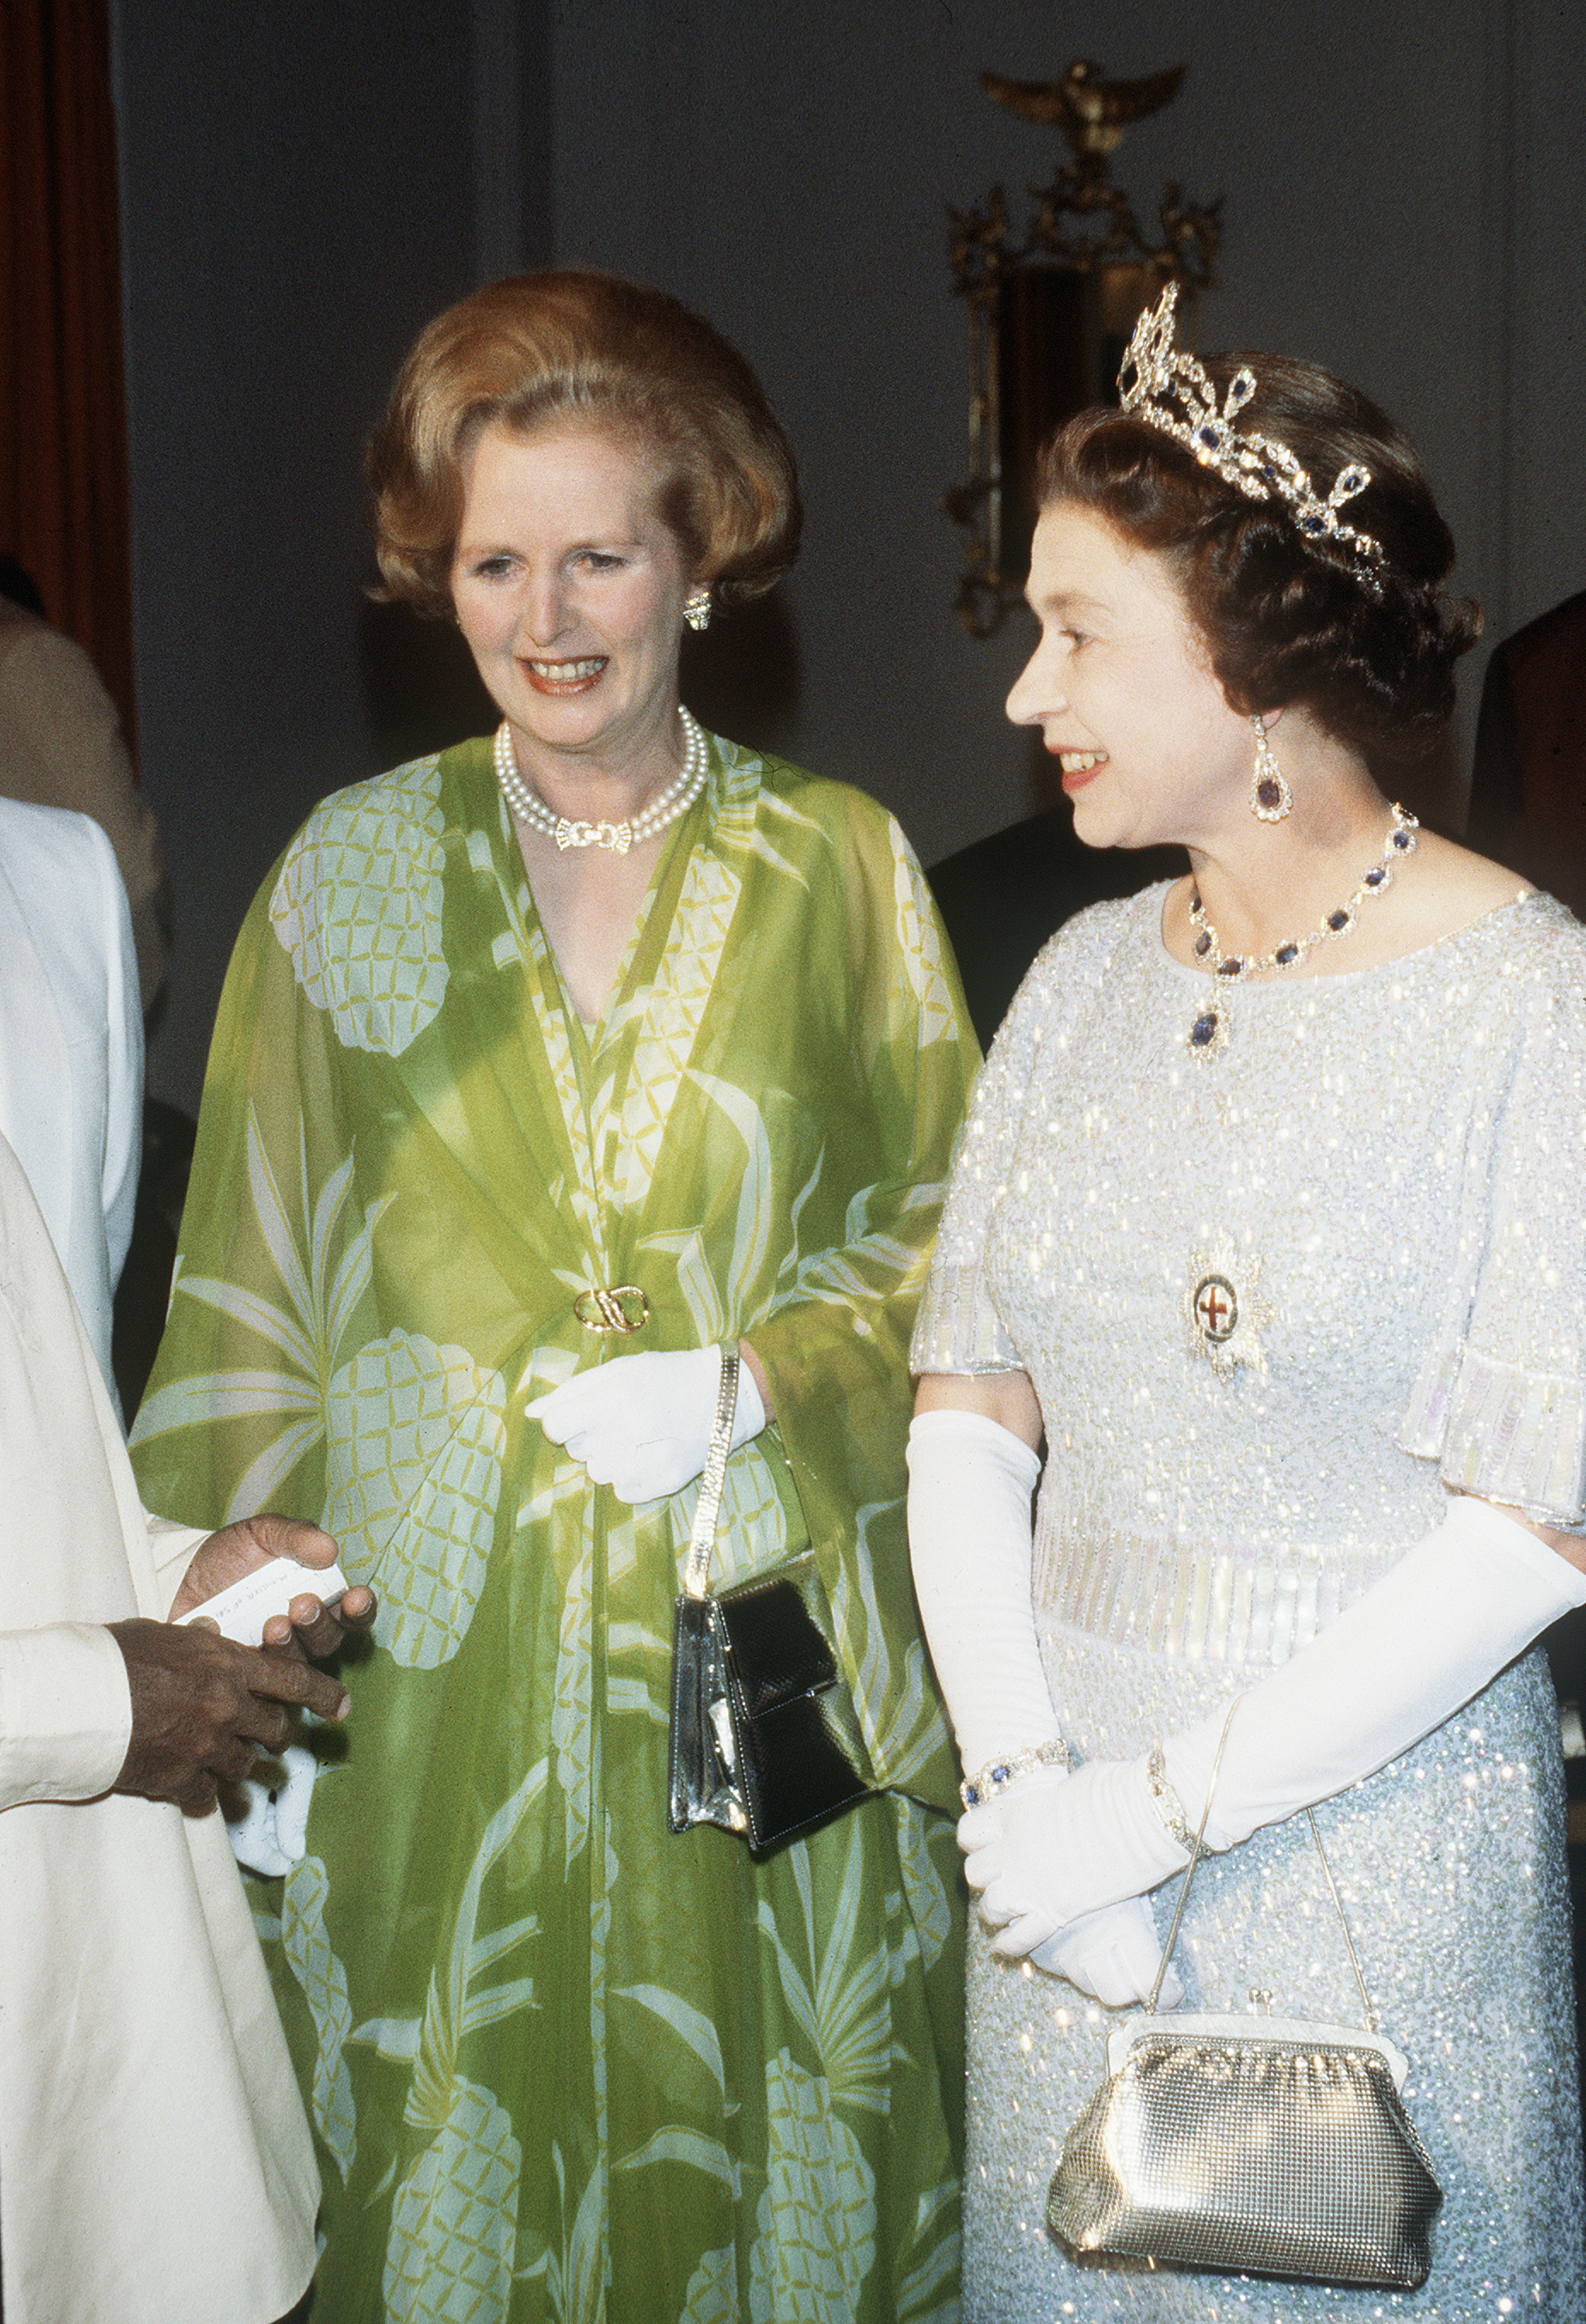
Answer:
(1405, 191)
(303, 185)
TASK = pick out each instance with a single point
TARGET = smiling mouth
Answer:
(563, 676)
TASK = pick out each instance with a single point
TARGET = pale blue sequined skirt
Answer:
(1451, 1866)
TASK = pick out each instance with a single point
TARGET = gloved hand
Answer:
(1111, 1955)
(1458, 1606)
(1056, 1848)
(642, 1423)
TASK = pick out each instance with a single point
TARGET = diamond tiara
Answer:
(1258, 465)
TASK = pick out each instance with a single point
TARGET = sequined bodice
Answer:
(1272, 1299)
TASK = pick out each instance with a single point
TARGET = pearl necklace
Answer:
(1210, 1028)
(677, 798)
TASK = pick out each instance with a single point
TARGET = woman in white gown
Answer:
(1268, 1217)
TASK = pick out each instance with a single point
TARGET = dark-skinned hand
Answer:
(203, 1707)
(310, 1628)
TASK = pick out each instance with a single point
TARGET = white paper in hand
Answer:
(241, 1610)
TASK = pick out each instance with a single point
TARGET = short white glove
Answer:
(642, 1423)
(293, 1800)
(1113, 1955)
(1056, 1848)
(273, 1835)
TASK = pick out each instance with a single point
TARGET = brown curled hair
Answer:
(535, 350)
(1369, 652)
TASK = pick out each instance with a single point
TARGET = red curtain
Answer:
(63, 457)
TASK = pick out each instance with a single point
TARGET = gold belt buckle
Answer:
(622, 1308)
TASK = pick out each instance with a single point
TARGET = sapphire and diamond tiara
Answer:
(1165, 387)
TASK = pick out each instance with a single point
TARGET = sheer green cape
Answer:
(560, 2063)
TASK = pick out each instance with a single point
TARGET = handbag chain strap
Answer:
(1371, 2020)
(701, 1541)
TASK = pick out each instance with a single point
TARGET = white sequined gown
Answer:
(1375, 1197)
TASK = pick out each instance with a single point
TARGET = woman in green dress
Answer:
(604, 1023)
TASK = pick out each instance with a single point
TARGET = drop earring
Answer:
(1270, 795)
(696, 608)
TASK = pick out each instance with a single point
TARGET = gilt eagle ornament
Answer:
(1091, 112)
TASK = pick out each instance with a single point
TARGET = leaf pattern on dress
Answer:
(902, 1740)
(572, 1727)
(670, 1027)
(920, 944)
(306, 1327)
(817, 2216)
(776, 809)
(676, 2142)
(415, 1439)
(357, 907)
(929, 1906)
(755, 1219)
(323, 1983)
(840, 1997)
(693, 2028)
(455, 2218)
(575, 2271)
(927, 2287)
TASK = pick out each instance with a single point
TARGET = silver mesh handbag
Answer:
(1250, 2145)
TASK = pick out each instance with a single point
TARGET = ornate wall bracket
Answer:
(1051, 311)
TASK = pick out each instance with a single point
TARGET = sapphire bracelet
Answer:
(997, 1774)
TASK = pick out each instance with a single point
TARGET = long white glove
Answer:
(969, 1534)
(1431, 1634)
(1457, 1608)
(969, 1542)
(642, 1423)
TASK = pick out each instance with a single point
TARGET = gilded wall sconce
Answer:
(1051, 313)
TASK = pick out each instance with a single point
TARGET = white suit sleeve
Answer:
(172, 1547)
(65, 1712)
(123, 1093)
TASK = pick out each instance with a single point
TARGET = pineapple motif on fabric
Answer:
(564, 2066)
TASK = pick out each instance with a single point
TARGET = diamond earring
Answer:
(696, 608)
(1270, 795)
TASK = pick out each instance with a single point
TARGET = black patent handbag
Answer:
(765, 1741)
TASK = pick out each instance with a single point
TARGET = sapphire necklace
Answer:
(1209, 1032)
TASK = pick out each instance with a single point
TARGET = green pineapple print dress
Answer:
(561, 2063)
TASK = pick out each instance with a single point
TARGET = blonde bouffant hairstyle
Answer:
(539, 350)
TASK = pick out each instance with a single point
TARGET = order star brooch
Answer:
(1224, 1310)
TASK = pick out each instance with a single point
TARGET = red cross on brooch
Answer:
(1216, 1303)
(1223, 1308)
